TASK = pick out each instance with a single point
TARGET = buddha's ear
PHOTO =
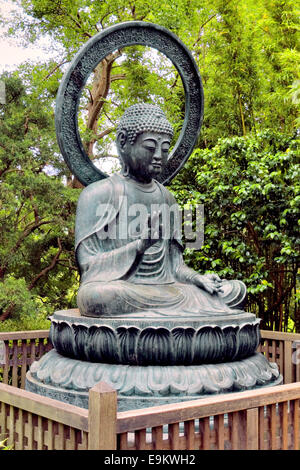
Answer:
(121, 139)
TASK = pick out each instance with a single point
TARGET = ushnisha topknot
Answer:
(144, 117)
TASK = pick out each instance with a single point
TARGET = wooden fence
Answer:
(258, 419)
(18, 350)
(265, 418)
(284, 349)
(32, 422)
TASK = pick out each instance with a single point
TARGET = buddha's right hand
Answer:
(209, 282)
(152, 232)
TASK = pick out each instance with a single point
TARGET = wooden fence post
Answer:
(102, 417)
(288, 378)
(252, 429)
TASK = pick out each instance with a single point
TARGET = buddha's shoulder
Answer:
(101, 189)
(167, 193)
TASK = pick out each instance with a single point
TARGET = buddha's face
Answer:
(147, 156)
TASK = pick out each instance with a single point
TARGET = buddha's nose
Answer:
(157, 157)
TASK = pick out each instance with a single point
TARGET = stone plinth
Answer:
(69, 380)
(151, 361)
(156, 341)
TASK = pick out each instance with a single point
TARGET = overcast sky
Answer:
(12, 53)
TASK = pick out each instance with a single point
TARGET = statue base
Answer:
(142, 340)
(69, 380)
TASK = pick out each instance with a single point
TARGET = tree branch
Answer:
(104, 133)
(79, 26)
(202, 26)
(28, 230)
(205, 23)
(26, 125)
(110, 12)
(254, 237)
(48, 268)
(5, 169)
(120, 76)
(55, 68)
(7, 313)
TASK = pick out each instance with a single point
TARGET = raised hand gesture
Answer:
(151, 233)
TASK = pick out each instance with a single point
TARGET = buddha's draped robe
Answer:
(115, 278)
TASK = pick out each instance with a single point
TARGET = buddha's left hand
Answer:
(209, 282)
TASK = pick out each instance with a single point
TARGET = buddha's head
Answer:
(143, 140)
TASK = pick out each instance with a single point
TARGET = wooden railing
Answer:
(32, 422)
(266, 418)
(284, 349)
(18, 350)
(262, 419)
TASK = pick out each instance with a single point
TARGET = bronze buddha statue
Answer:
(155, 330)
(133, 265)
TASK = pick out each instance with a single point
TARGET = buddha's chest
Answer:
(142, 202)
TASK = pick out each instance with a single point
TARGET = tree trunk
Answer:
(8, 312)
(52, 265)
(100, 89)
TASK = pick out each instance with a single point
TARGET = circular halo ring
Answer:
(88, 57)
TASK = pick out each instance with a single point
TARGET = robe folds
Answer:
(116, 279)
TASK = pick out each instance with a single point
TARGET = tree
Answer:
(250, 191)
(280, 45)
(247, 53)
(248, 56)
(37, 209)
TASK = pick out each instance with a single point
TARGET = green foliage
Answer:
(251, 195)
(248, 56)
(247, 53)
(38, 321)
(37, 209)
(4, 446)
(14, 291)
